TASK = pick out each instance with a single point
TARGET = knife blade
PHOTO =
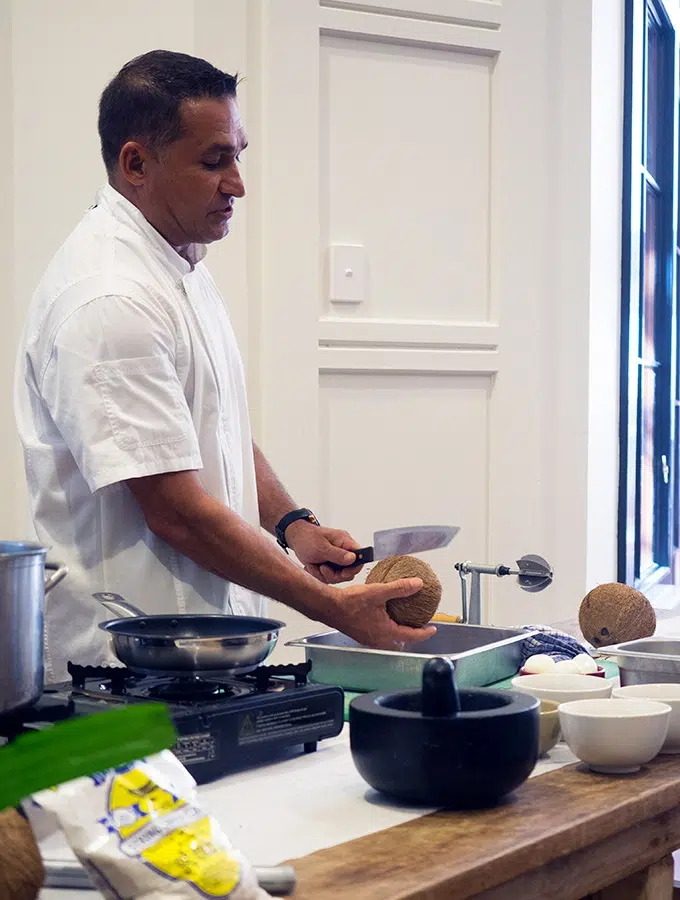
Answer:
(401, 542)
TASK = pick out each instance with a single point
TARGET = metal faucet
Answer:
(533, 574)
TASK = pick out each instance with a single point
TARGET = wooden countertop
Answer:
(561, 835)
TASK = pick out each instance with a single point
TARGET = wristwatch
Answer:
(288, 519)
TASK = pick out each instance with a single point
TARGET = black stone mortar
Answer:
(442, 746)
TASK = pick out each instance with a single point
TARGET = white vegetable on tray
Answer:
(543, 664)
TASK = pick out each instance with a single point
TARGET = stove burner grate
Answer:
(193, 690)
(116, 675)
(120, 681)
(224, 722)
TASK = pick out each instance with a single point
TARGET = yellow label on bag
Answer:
(171, 836)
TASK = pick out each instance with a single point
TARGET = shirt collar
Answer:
(124, 211)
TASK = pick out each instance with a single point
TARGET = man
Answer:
(130, 395)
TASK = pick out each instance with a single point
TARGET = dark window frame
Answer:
(637, 181)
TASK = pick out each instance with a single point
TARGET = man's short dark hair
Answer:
(142, 102)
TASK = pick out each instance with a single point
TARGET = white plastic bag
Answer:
(141, 835)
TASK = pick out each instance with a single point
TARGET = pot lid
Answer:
(13, 549)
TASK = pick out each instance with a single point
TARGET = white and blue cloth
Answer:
(552, 642)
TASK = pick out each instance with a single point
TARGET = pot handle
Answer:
(60, 572)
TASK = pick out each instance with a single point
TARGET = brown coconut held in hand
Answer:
(614, 613)
(418, 609)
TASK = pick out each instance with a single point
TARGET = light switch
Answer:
(348, 273)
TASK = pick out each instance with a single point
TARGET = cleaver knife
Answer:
(402, 542)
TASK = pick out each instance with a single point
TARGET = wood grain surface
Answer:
(562, 835)
(654, 883)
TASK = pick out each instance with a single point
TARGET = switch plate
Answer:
(347, 273)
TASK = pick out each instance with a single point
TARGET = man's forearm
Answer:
(178, 510)
(273, 499)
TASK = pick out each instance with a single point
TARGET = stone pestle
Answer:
(440, 695)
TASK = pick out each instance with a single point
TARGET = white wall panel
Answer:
(473, 13)
(416, 30)
(12, 510)
(405, 172)
(408, 450)
(58, 165)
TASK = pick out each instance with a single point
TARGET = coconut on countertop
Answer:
(614, 613)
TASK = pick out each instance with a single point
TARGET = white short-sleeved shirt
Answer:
(128, 366)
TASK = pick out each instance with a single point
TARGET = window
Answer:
(648, 539)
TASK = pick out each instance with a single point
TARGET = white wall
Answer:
(490, 214)
(12, 522)
(580, 334)
(606, 122)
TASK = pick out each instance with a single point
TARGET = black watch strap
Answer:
(288, 519)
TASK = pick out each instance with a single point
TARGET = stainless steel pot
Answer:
(23, 585)
(187, 645)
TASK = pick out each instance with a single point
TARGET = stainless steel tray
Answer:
(647, 660)
(482, 655)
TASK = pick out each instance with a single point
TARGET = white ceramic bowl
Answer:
(664, 693)
(562, 688)
(615, 736)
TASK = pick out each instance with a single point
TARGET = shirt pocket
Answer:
(143, 400)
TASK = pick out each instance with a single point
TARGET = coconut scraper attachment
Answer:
(533, 574)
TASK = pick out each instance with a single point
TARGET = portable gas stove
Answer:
(222, 725)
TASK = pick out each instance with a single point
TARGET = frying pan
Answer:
(187, 645)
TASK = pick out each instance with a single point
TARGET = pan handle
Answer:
(60, 572)
(117, 605)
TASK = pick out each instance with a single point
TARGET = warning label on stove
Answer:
(195, 748)
(303, 720)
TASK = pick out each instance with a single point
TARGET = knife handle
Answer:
(364, 555)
